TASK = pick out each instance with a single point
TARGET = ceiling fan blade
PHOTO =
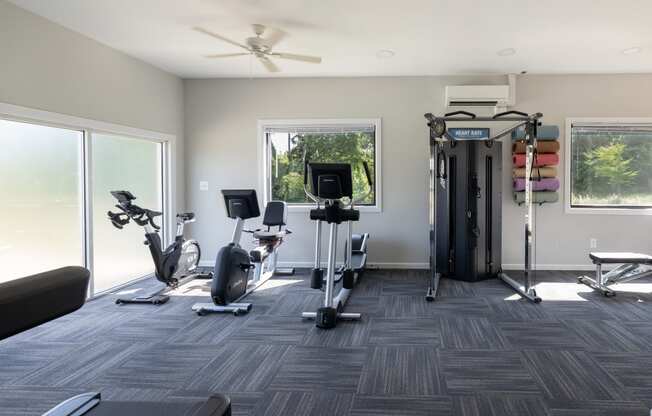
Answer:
(295, 57)
(274, 37)
(269, 65)
(227, 55)
(220, 37)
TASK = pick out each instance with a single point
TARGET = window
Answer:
(343, 141)
(56, 172)
(610, 164)
(123, 163)
(40, 189)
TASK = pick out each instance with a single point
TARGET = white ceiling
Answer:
(430, 37)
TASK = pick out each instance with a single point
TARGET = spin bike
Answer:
(332, 185)
(231, 277)
(175, 265)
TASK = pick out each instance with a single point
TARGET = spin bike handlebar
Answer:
(130, 211)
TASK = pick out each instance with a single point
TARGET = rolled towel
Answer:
(543, 184)
(537, 197)
(543, 133)
(537, 173)
(541, 159)
(543, 146)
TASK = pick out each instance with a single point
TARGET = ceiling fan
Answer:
(260, 47)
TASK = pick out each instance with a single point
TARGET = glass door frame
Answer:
(88, 128)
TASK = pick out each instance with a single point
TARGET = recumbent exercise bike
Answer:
(175, 265)
(231, 281)
(332, 185)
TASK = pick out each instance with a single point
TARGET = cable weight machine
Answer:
(439, 135)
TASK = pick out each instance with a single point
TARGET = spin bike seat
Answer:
(186, 216)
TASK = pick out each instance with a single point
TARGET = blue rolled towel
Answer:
(549, 132)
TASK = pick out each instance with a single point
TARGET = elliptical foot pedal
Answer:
(326, 318)
(348, 280)
(316, 278)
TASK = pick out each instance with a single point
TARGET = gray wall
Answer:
(47, 67)
(222, 146)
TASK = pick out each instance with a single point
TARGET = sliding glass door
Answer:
(40, 198)
(123, 163)
(55, 185)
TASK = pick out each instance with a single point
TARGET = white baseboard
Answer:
(423, 265)
(310, 264)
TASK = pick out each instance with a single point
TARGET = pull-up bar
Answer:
(439, 135)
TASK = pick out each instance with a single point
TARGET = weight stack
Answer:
(468, 211)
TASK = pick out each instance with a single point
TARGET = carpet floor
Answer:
(477, 350)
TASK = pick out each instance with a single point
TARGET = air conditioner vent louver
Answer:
(473, 103)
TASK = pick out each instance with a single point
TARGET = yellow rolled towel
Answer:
(542, 172)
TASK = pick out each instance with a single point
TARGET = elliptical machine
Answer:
(231, 281)
(175, 265)
(330, 184)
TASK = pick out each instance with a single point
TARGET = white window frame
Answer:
(89, 127)
(567, 166)
(264, 156)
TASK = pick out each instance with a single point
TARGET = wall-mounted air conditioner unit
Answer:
(464, 96)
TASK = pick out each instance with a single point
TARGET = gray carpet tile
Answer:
(509, 309)
(20, 358)
(572, 375)
(312, 403)
(369, 306)
(486, 371)
(272, 329)
(574, 310)
(544, 334)
(401, 406)
(476, 350)
(239, 368)
(320, 368)
(412, 371)
(613, 336)
(456, 288)
(597, 408)
(472, 334)
(417, 331)
(293, 304)
(493, 405)
(632, 370)
(347, 334)
(83, 365)
(158, 366)
(459, 307)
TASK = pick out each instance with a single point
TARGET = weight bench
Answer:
(632, 266)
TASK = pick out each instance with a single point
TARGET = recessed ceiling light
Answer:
(506, 52)
(384, 54)
(631, 51)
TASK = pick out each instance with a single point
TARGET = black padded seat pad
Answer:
(30, 301)
(637, 258)
(268, 235)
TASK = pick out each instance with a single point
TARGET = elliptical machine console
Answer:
(175, 265)
(332, 185)
(231, 282)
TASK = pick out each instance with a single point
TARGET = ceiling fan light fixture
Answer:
(385, 54)
(506, 52)
(631, 51)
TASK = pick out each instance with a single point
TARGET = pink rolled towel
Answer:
(542, 159)
(543, 184)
